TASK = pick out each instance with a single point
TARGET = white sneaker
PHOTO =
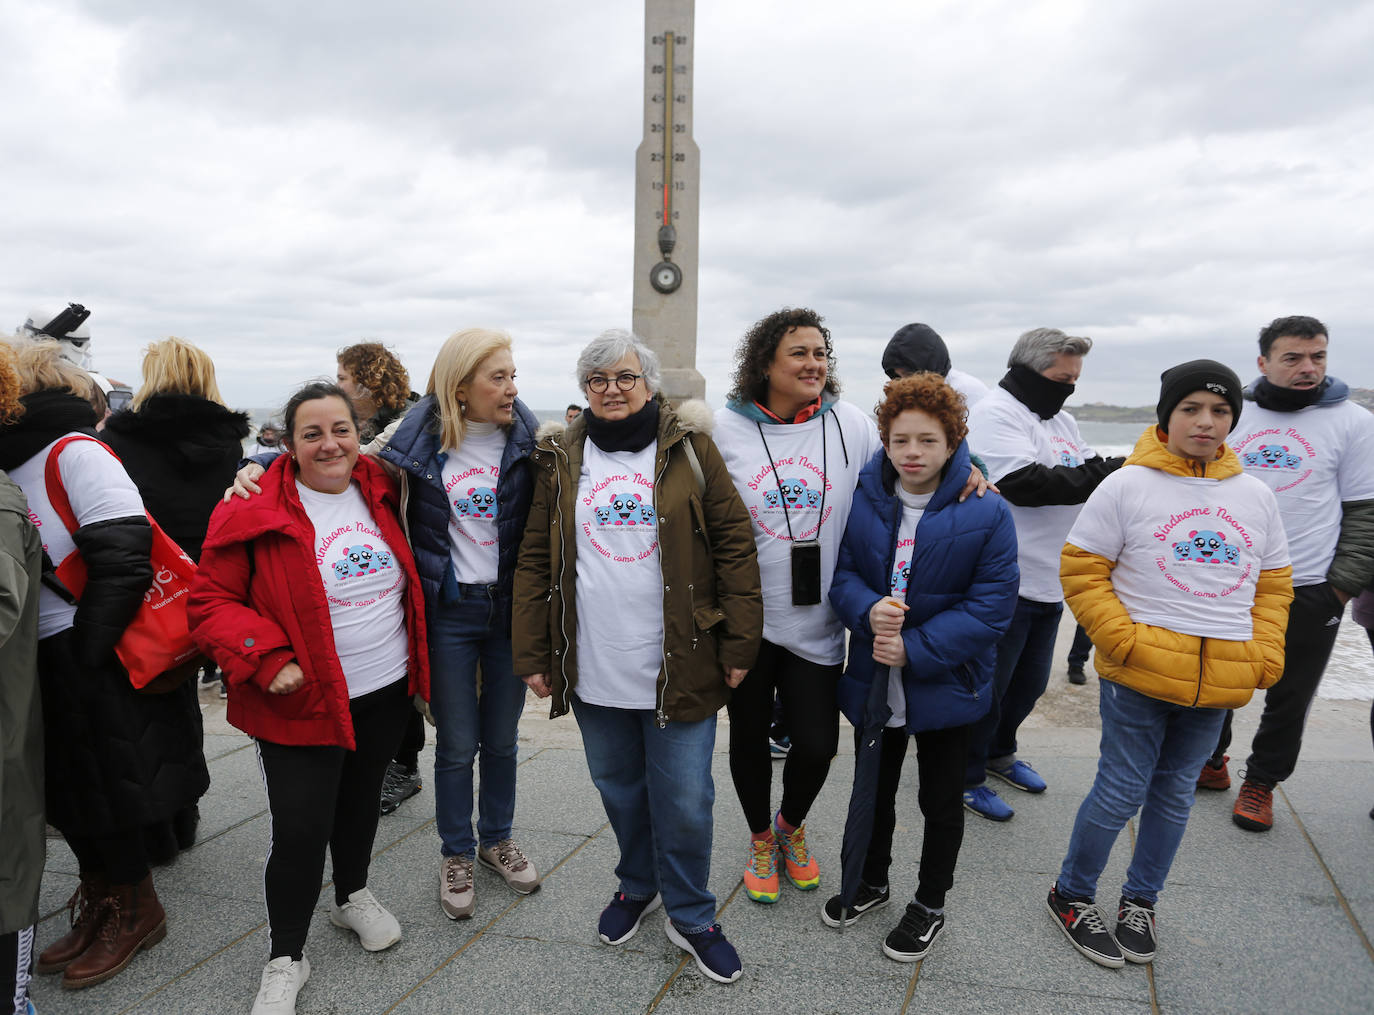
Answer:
(376, 928)
(507, 860)
(282, 980)
(456, 896)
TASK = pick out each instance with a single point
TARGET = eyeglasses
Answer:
(624, 382)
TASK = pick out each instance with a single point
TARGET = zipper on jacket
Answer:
(1201, 648)
(562, 602)
(965, 670)
(660, 715)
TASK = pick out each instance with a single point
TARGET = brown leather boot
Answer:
(86, 911)
(135, 921)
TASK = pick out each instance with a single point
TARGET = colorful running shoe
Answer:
(802, 868)
(761, 872)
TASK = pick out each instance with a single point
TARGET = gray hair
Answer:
(609, 348)
(1040, 347)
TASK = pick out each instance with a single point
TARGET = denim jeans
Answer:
(658, 793)
(1025, 655)
(1151, 753)
(470, 626)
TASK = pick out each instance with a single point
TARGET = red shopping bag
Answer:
(156, 648)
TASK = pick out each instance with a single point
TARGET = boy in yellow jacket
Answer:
(1178, 569)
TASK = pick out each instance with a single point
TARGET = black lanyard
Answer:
(825, 479)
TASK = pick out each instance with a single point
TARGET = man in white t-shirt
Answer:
(1302, 436)
(918, 347)
(1045, 471)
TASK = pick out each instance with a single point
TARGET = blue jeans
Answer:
(1151, 754)
(658, 793)
(1025, 655)
(468, 626)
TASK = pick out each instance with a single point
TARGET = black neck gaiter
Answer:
(633, 433)
(1036, 392)
(1277, 399)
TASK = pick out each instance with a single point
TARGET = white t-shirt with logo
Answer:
(973, 390)
(619, 579)
(1312, 459)
(913, 507)
(789, 490)
(364, 585)
(470, 475)
(98, 488)
(1007, 436)
(1188, 551)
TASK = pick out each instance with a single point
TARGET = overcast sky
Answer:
(273, 180)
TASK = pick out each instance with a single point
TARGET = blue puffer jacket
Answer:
(961, 595)
(414, 448)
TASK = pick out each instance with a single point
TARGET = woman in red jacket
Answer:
(309, 601)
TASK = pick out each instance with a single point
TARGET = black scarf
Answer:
(1271, 396)
(633, 433)
(47, 416)
(1035, 391)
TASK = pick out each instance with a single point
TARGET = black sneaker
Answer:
(1135, 930)
(914, 934)
(1077, 676)
(1082, 925)
(867, 898)
(398, 785)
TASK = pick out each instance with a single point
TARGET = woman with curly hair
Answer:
(921, 653)
(373, 377)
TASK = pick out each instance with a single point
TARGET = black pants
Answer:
(121, 859)
(412, 743)
(940, 756)
(1081, 648)
(326, 796)
(16, 970)
(1313, 621)
(812, 717)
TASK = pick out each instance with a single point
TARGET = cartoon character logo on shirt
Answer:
(1067, 459)
(901, 576)
(794, 493)
(1272, 456)
(360, 560)
(479, 503)
(1206, 547)
(624, 509)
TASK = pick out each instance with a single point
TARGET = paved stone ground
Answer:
(1278, 922)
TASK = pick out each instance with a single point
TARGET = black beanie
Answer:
(1178, 382)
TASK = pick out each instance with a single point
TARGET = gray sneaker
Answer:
(456, 897)
(507, 860)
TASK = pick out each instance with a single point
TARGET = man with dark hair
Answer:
(571, 413)
(1314, 448)
(918, 347)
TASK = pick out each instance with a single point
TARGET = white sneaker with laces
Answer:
(282, 980)
(376, 928)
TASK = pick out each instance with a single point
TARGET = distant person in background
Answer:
(180, 445)
(268, 440)
(1304, 439)
(1045, 471)
(1079, 652)
(22, 842)
(918, 347)
(571, 413)
(379, 385)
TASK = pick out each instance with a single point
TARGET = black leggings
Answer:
(326, 796)
(940, 757)
(812, 716)
(412, 743)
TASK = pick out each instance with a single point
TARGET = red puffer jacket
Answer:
(258, 602)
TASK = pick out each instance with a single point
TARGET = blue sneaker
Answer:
(985, 802)
(716, 957)
(779, 747)
(622, 917)
(1020, 775)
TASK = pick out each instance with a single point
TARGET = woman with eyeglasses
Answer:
(637, 607)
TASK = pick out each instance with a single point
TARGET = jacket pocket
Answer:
(963, 673)
(707, 617)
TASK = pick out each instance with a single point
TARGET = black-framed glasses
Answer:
(624, 382)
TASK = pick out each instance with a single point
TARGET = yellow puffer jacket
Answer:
(1163, 664)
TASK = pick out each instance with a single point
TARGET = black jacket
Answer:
(181, 451)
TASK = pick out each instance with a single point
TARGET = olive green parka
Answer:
(712, 605)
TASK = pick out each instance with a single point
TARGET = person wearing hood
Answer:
(1304, 439)
(794, 450)
(116, 760)
(918, 347)
(926, 583)
(637, 606)
(1178, 568)
(1045, 470)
